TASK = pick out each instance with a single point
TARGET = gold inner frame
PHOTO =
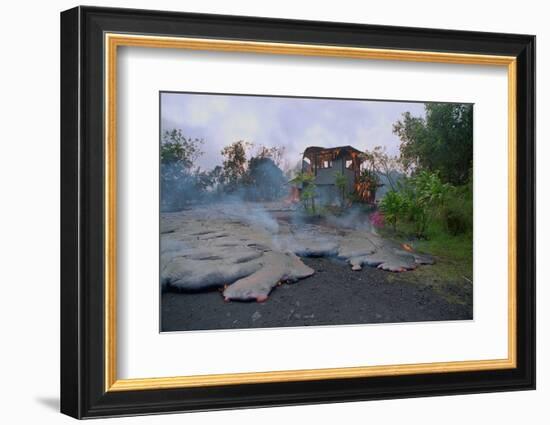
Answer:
(113, 41)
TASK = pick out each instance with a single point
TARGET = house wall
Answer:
(351, 179)
(328, 194)
(327, 191)
(325, 178)
(327, 175)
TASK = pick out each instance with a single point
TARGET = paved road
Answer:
(335, 295)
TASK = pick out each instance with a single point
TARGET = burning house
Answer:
(329, 164)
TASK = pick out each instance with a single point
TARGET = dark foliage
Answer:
(442, 142)
(264, 180)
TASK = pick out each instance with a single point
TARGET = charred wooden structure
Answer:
(325, 163)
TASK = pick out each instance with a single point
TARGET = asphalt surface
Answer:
(335, 295)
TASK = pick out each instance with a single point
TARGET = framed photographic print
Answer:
(261, 212)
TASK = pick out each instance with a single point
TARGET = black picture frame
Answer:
(83, 392)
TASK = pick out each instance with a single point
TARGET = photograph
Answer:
(342, 206)
(279, 211)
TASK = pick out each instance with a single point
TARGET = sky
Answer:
(294, 123)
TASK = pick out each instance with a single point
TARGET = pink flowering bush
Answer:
(377, 219)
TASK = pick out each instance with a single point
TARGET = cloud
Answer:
(293, 123)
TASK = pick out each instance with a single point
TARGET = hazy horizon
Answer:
(290, 122)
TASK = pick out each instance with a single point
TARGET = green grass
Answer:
(455, 249)
(453, 258)
(437, 242)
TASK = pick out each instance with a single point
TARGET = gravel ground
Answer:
(334, 295)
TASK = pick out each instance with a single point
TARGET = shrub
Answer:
(426, 195)
(308, 193)
(425, 202)
(394, 206)
(457, 213)
(341, 182)
(455, 222)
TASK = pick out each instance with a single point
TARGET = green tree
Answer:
(176, 148)
(264, 179)
(217, 178)
(203, 180)
(308, 192)
(275, 153)
(178, 182)
(341, 182)
(441, 142)
(234, 164)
